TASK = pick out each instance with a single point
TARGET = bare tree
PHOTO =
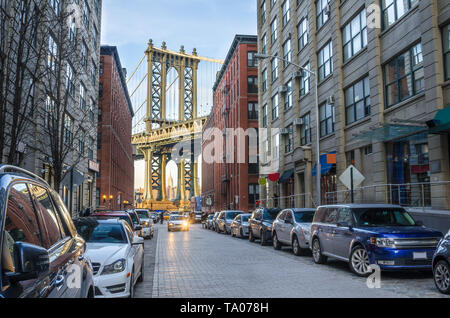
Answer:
(21, 50)
(64, 119)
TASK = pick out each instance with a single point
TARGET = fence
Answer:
(435, 195)
(304, 200)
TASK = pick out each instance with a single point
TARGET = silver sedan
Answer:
(239, 226)
(292, 228)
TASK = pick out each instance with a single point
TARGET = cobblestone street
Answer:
(202, 263)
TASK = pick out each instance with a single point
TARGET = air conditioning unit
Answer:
(328, 10)
(299, 122)
(284, 131)
(330, 100)
(298, 74)
(282, 89)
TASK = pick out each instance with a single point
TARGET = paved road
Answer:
(202, 263)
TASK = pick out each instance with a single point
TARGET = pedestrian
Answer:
(162, 218)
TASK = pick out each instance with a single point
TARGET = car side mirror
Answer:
(31, 262)
(138, 240)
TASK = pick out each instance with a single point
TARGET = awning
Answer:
(326, 163)
(441, 122)
(390, 132)
(286, 176)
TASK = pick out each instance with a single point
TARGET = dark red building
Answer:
(233, 183)
(115, 185)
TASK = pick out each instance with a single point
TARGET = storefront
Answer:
(328, 179)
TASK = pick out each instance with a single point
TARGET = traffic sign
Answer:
(346, 177)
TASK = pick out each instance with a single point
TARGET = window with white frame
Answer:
(274, 31)
(302, 29)
(325, 58)
(305, 80)
(275, 106)
(274, 69)
(322, 10)
(287, 52)
(354, 35)
(289, 97)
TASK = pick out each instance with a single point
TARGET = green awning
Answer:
(390, 132)
(441, 122)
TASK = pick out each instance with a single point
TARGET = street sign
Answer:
(346, 177)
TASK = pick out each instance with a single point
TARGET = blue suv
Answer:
(371, 234)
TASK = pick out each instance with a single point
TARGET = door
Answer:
(61, 246)
(288, 226)
(343, 236)
(278, 225)
(21, 225)
(327, 229)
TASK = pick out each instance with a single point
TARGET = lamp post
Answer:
(260, 56)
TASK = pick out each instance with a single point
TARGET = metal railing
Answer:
(303, 200)
(427, 195)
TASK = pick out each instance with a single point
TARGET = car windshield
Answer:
(177, 218)
(304, 217)
(383, 217)
(231, 215)
(271, 214)
(142, 214)
(134, 218)
(245, 218)
(108, 233)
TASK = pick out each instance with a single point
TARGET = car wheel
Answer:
(359, 261)
(141, 276)
(251, 238)
(441, 274)
(318, 257)
(276, 243)
(262, 239)
(296, 248)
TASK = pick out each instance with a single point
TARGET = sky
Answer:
(207, 25)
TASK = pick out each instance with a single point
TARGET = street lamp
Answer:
(261, 56)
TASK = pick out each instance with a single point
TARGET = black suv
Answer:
(41, 253)
(260, 224)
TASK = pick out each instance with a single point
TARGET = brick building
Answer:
(233, 183)
(115, 186)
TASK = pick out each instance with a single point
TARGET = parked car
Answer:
(155, 217)
(41, 249)
(104, 215)
(441, 265)
(117, 256)
(206, 220)
(239, 226)
(146, 222)
(178, 223)
(292, 228)
(209, 221)
(136, 221)
(225, 219)
(371, 234)
(214, 221)
(197, 217)
(260, 224)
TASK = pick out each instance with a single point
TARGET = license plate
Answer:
(417, 255)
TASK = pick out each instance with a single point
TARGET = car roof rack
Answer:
(6, 168)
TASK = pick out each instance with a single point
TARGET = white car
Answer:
(178, 223)
(117, 257)
(146, 222)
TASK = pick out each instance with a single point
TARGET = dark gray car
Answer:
(239, 226)
(292, 228)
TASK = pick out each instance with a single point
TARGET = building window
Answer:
(323, 12)
(264, 119)
(275, 106)
(251, 61)
(253, 111)
(287, 51)
(252, 84)
(274, 69)
(73, 31)
(395, 9)
(93, 72)
(286, 12)
(82, 142)
(325, 57)
(368, 150)
(82, 97)
(265, 151)
(404, 76)
(264, 80)
(305, 130)
(276, 146)
(326, 119)
(263, 12)
(272, 3)
(253, 193)
(289, 142)
(264, 44)
(91, 148)
(54, 4)
(52, 53)
(86, 14)
(274, 31)
(302, 33)
(49, 109)
(95, 36)
(355, 35)
(446, 48)
(84, 55)
(68, 129)
(305, 81)
(70, 80)
(91, 110)
(289, 97)
(357, 101)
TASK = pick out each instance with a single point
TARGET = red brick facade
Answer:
(114, 129)
(227, 184)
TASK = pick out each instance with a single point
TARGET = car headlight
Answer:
(382, 241)
(170, 224)
(116, 267)
(185, 223)
(146, 223)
